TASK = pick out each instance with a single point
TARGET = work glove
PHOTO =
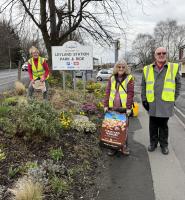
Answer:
(146, 105)
(129, 112)
(106, 109)
(42, 79)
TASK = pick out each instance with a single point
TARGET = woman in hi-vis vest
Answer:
(120, 92)
(38, 70)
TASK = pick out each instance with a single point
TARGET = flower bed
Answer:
(44, 146)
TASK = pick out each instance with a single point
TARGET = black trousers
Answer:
(158, 128)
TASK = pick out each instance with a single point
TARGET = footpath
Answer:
(146, 175)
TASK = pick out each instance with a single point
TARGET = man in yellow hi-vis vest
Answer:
(160, 88)
(38, 71)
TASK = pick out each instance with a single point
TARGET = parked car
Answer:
(79, 74)
(104, 74)
(25, 66)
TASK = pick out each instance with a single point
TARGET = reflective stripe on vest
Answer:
(123, 95)
(38, 71)
(168, 93)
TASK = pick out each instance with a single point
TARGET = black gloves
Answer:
(146, 105)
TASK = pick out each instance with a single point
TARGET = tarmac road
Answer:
(8, 77)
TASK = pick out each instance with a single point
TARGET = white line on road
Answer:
(7, 76)
(7, 82)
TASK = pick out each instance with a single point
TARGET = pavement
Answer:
(146, 175)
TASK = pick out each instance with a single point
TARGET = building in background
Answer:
(95, 61)
(182, 60)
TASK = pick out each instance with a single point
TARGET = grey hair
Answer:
(33, 49)
(121, 62)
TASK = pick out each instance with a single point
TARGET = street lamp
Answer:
(116, 48)
(10, 60)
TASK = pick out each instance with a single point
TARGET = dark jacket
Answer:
(160, 108)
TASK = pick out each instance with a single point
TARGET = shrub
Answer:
(2, 155)
(92, 86)
(10, 101)
(89, 108)
(19, 88)
(83, 126)
(65, 119)
(69, 80)
(59, 185)
(54, 80)
(79, 84)
(4, 111)
(56, 100)
(13, 171)
(8, 126)
(35, 118)
(26, 189)
(56, 154)
(22, 101)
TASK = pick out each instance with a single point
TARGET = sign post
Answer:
(72, 56)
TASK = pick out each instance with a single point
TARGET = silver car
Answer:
(104, 74)
(25, 66)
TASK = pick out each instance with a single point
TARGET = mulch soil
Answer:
(78, 149)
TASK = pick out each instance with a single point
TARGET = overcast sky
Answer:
(143, 20)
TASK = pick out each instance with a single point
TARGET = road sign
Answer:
(72, 56)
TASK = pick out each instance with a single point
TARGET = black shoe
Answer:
(165, 150)
(111, 152)
(152, 148)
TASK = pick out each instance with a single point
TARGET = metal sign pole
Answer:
(64, 81)
(74, 80)
(84, 82)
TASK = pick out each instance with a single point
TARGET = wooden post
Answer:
(19, 71)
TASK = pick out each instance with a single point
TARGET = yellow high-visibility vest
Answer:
(123, 94)
(168, 93)
(38, 71)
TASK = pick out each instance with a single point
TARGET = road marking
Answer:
(7, 76)
(181, 122)
(8, 82)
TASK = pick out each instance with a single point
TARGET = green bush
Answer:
(56, 154)
(35, 118)
(10, 101)
(59, 185)
(69, 80)
(79, 84)
(8, 126)
(92, 86)
(54, 80)
(4, 111)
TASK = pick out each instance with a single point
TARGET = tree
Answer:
(143, 49)
(171, 36)
(57, 20)
(9, 45)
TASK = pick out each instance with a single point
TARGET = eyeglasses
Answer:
(119, 67)
(161, 53)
